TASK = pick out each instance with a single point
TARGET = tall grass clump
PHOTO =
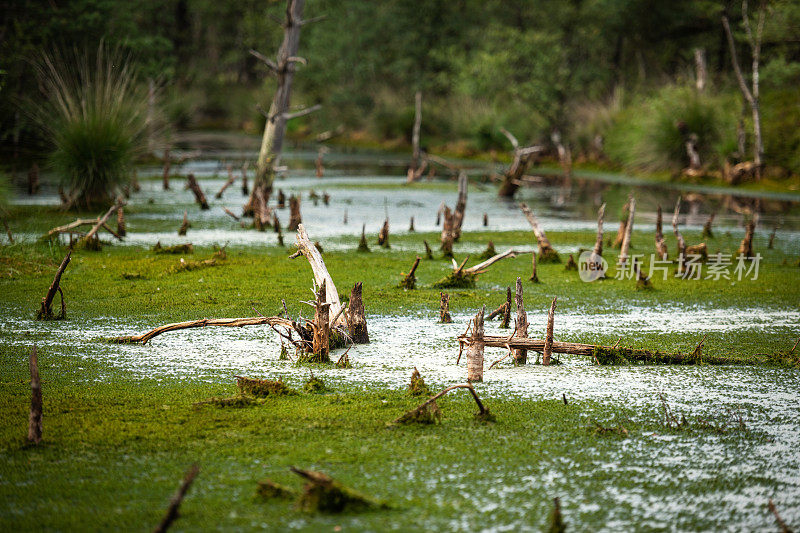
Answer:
(95, 118)
(651, 134)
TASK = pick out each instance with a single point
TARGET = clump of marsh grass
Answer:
(95, 117)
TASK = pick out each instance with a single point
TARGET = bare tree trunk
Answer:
(167, 165)
(597, 251)
(520, 354)
(746, 246)
(414, 169)
(199, 195)
(35, 414)
(661, 246)
(679, 237)
(322, 327)
(546, 251)
(184, 225)
(448, 236)
(356, 317)
(295, 218)
(506, 322)
(626, 241)
(444, 309)
(475, 349)
(548, 339)
(700, 69)
(121, 228)
(461, 205)
(284, 69)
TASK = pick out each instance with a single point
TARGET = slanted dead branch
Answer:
(409, 281)
(46, 309)
(175, 503)
(420, 414)
(462, 277)
(228, 183)
(199, 195)
(546, 252)
(321, 276)
(523, 157)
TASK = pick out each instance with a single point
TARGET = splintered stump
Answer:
(448, 236)
(475, 346)
(165, 174)
(321, 275)
(461, 205)
(35, 414)
(362, 244)
(295, 219)
(661, 246)
(623, 224)
(548, 339)
(746, 246)
(383, 235)
(323, 494)
(185, 225)
(428, 412)
(708, 233)
(428, 251)
(409, 281)
(521, 331)
(417, 386)
(626, 240)
(679, 237)
(46, 309)
(444, 309)
(322, 329)
(281, 199)
(199, 195)
(411, 228)
(546, 252)
(245, 188)
(175, 503)
(260, 209)
(505, 323)
(356, 317)
(121, 227)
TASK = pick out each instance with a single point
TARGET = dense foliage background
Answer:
(583, 67)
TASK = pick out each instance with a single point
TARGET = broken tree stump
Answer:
(626, 240)
(122, 229)
(462, 277)
(769, 244)
(523, 157)
(356, 316)
(623, 223)
(520, 354)
(295, 218)
(199, 195)
(548, 339)
(597, 251)
(175, 503)
(323, 494)
(504, 324)
(546, 252)
(461, 205)
(423, 413)
(475, 349)
(35, 413)
(362, 244)
(746, 246)
(276, 224)
(428, 251)
(707, 231)
(245, 188)
(409, 281)
(46, 309)
(260, 209)
(228, 183)
(661, 246)
(444, 309)
(185, 225)
(448, 236)
(679, 238)
(485, 220)
(165, 173)
(33, 180)
(281, 199)
(411, 228)
(306, 248)
(383, 235)
(534, 276)
(322, 329)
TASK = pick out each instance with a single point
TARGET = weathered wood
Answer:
(409, 281)
(175, 503)
(482, 410)
(523, 157)
(295, 218)
(496, 312)
(356, 316)
(485, 220)
(448, 235)
(626, 241)
(623, 224)
(326, 198)
(661, 246)
(444, 309)
(746, 246)
(122, 229)
(534, 275)
(428, 251)
(362, 244)
(203, 323)
(35, 413)
(322, 328)
(414, 169)
(597, 251)
(281, 199)
(679, 237)
(228, 183)
(245, 187)
(701, 72)
(383, 235)
(521, 330)
(100, 222)
(321, 275)
(411, 228)
(547, 349)
(46, 309)
(461, 205)
(199, 195)
(564, 153)
(231, 214)
(165, 173)
(505, 323)
(475, 349)
(546, 251)
(769, 244)
(185, 225)
(261, 211)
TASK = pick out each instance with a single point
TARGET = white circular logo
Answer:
(591, 267)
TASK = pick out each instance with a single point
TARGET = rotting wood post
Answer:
(520, 354)
(485, 220)
(461, 205)
(626, 241)
(35, 414)
(185, 225)
(746, 247)
(383, 235)
(121, 227)
(322, 327)
(679, 237)
(507, 310)
(281, 199)
(176, 500)
(46, 310)
(448, 236)
(409, 281)
(245, 188)
(414, 168)
(228, 183)
(33, 179)
(444, 309)
(623, 224)
(295, 218)
(167, 165)
(356, 316)
(199, 195)
(475, 349)
(707, 232)
(534, 276)
(661, 246)
(548, 339)
(411, 228)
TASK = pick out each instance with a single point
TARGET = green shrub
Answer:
(94, 116)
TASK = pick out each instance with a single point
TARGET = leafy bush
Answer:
(94, 116)
(651, 134)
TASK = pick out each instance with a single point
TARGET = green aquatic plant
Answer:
(94, 115)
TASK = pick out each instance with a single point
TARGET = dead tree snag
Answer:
(409, 281)
(546, 252)
(679, 237)
(521, 330)
(322, 329)
(746, 247)
(33, 180)
(383, 235)
(475, 349)
(512, 178)
(185, 225)
(444, 309)
(121, 227)
(461, 205)
(295, 218)
(356, 316)
(306, 248)
(228, 183)
(506, 322)
(707, 232)
(448, 235)
(35, 413)
(548, 339)
(661, 246)
(46, 309)
(165, 174)
(626, 240)
(199, 195)
(362, 244)
(623, 223)
(462, 277)
(415, 169)
(534, 276)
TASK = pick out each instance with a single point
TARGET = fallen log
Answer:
(462, 277)
(46, 309)
(35, 413)
(497, 311)
(409, 281)
(356, 317)
(546, 252)
(199, 195)
(175, 502)
(521, 330)
(306, 248)
(207, 322)
(420, 414)
(444, 309)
